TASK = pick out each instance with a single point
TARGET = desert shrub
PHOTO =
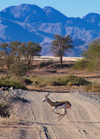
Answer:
(50, 60)
(27, 81)
(7, 82)
(18, 69)
(74, 80)
(89, 65)
(33, 76)
(69, 84)
(37, 84)
(91, 61)
(56, 83)
(47, 63)
(59, 81)
(37, 81)
(80, 65)
(52, 81)
(42, 64)
(93, 87)
(4, 110)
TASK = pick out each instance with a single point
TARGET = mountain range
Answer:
(28, 22)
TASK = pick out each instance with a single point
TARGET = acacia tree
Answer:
(61, 45)
(15, 49)
(6, 58)
(2, 61)
(91, 60)
(92, 56)
(5, 47)
(31, 49)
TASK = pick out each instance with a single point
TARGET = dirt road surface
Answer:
(33, 119)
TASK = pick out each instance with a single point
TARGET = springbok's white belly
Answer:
(61, 107)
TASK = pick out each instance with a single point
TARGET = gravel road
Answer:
(32, 119)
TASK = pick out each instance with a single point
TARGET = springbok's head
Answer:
(69, 105)
(45, 98)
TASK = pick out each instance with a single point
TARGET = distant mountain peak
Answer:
(53, 15)
(92, 17)
(28, 6)
(91, 14)
(49, 9)
(29, 22)
(22, 10)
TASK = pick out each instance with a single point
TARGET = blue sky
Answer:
(70, 8)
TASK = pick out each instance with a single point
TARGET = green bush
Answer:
(18, 69)
(59, 81)
(94, 87)
(33, 76)
(42, 64)
(9, 83)
(37, 84)
(28, 81)
(80, 65)
(91, 61)
(74, 80)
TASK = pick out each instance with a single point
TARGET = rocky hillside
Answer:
(32, 23)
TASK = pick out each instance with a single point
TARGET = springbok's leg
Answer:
(62, 115)
(54, 110)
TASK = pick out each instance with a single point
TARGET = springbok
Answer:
(58, 105)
